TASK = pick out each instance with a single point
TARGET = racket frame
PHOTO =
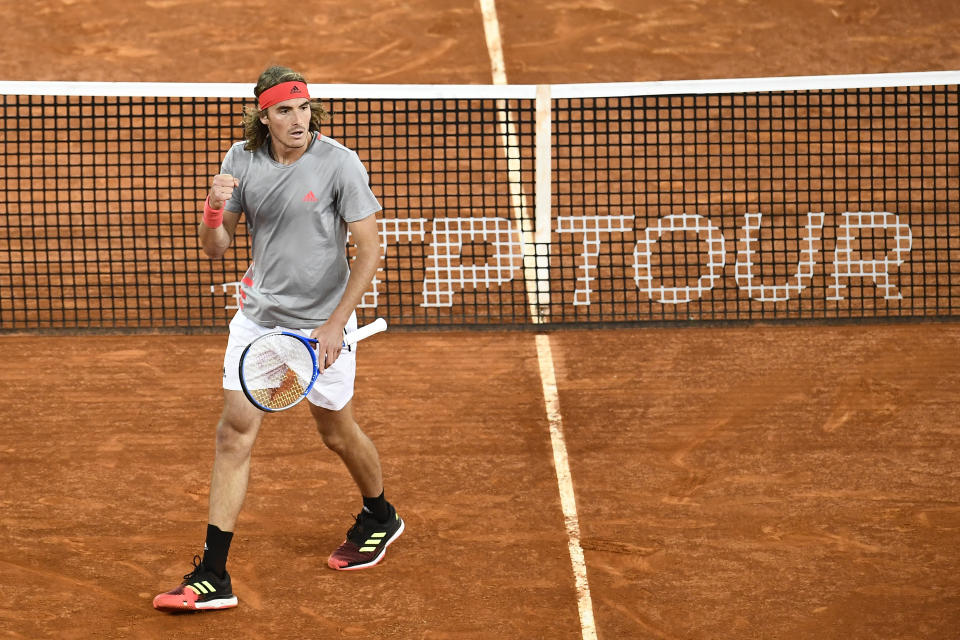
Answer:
(309, 343)
(349, 339)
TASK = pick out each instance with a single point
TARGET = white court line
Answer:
(548, 378)
(510, 141)
(568, 502)
(491, 29)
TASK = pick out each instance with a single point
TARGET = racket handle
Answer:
(365, 331)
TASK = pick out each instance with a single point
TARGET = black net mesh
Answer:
(744, 206)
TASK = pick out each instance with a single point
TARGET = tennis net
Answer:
(766, 199)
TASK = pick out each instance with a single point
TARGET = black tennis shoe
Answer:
(201, 590)
(367, 542)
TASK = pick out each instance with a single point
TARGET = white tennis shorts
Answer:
(334, 386)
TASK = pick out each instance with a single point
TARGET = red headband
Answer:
(281, 92)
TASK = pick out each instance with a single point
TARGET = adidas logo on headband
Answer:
(281, 92)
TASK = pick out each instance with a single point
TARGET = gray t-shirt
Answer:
(297, 216)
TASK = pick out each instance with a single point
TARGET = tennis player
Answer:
(300, 192)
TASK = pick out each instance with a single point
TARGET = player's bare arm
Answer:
(216, 230)
(329, 336)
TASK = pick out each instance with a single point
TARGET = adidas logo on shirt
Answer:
(310, 197)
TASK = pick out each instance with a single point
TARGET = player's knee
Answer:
(338, 430)
(338, 440)
(234, 439)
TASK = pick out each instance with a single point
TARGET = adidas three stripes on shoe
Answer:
(201, 590)
(367, 541)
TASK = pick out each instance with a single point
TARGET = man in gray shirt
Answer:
(301, 192)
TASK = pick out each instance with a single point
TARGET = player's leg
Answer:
(378, 524)
(236, 433)
(208, 585)
(342, 435)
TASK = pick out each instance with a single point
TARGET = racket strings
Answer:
(277, 370)
(284, 395)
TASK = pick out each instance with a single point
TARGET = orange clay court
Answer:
(732, 480)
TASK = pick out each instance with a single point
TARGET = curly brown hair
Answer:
(255, 132)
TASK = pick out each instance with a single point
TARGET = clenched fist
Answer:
(221, 189)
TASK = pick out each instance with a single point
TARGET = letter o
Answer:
(643, 252)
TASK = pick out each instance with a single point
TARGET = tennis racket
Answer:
(278, 369)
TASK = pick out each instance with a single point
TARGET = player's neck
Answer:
(287, 155)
